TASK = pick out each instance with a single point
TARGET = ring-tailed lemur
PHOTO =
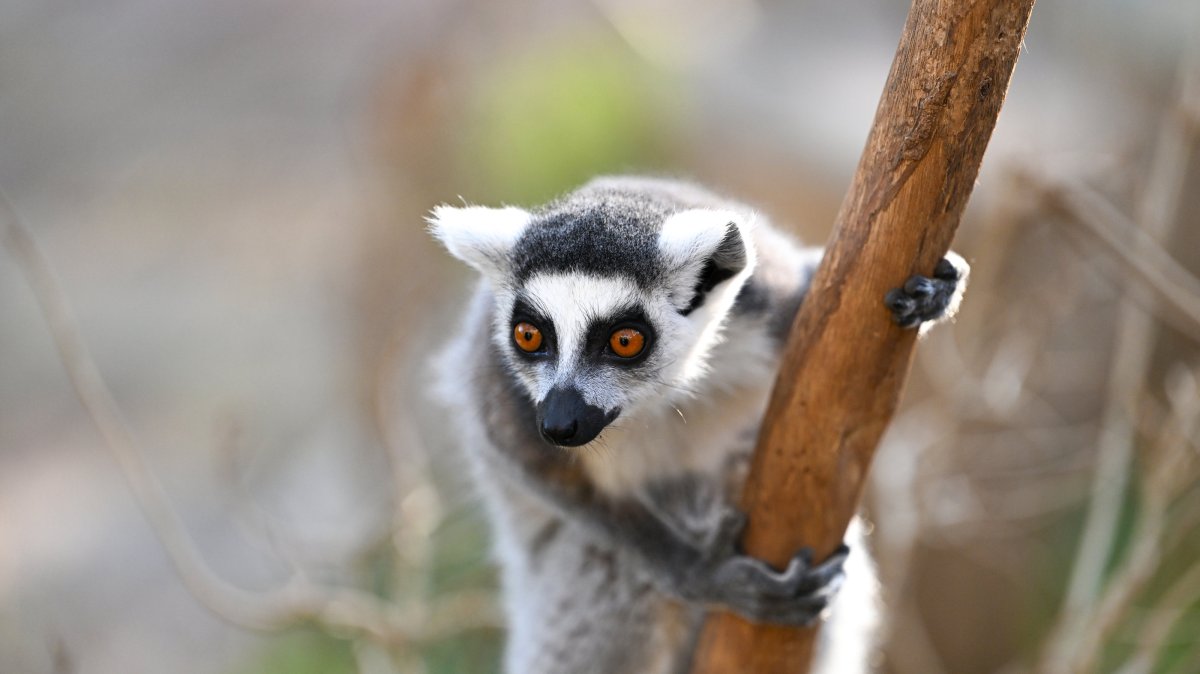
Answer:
(608, 381)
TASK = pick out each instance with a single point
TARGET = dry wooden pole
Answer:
(845, 362)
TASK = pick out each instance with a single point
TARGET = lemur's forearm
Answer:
(710, 572)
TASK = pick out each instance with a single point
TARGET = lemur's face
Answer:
(603, 313)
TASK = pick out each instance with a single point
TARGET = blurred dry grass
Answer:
(232, 195)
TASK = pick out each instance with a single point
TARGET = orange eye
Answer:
(527, 336)
(627, 342)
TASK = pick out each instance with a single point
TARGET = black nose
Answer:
(560, 430)
(565, 419)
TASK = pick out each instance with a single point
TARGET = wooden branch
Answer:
(845, 361)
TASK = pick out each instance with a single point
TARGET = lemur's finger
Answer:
(747, 581)
(919, 287)
(802, 611)
(798, 568)
(826, 577)
(920, 299)
(947, 271)
(898, 302)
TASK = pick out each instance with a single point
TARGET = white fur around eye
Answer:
(572, 302)
(480, 236)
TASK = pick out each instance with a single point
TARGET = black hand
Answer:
(750, 587)
(923, 298)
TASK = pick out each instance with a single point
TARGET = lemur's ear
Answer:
(480, 236)
(704, 248)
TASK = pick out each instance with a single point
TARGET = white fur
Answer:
(480, 236)
(682, 348)
(686, 241)
(573, 301)
(848, 637)
(691, 236)
(952, 308)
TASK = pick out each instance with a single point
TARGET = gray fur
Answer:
(608, 219)
(611, 552)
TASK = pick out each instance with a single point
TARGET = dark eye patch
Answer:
(599, 330)
(524, 312)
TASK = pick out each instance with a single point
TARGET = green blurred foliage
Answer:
(461, 562)
(1053, 570)
(477, 653)
(302, 652)
(461, 558)
(558, 113)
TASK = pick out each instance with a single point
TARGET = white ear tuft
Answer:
(704, 248)
(698, 234)
(480, 236)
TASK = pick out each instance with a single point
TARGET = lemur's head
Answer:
(609, 300)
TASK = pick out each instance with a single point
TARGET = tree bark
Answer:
(845, 362)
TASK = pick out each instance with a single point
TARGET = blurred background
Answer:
(232, 195)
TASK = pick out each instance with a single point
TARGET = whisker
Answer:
(680, 413)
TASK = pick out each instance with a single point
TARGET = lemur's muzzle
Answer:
(565, 419)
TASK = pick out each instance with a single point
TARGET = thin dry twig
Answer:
(1162, 484)
(1073, 638)
(417, 509)
(255, 523)
(1173, 606)
(1146, 261)
(298, 600)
